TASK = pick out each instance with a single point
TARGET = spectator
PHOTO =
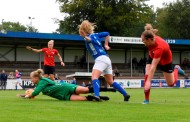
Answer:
(56, 77)
(76, 60)
(89, 84)
(141, 62)
(116, 72)
(184, 63)
(134, 62)
(3, 79)
(74, 81)
(62, 81)
(83, 84)
(83, 61)
(18, 79)
(11, 76)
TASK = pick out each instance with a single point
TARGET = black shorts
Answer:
(49, 69)
(165, 68)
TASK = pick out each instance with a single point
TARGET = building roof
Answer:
(74, 37)
(53, 36)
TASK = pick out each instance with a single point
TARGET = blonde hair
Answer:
(51, 41)
(38, 73)
(148, 26)
(87, 27)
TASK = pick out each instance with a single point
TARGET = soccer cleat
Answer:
(126, 98)
(180, 71)
(106, 98)
(111, 89)
(93, 98)
(145, 102)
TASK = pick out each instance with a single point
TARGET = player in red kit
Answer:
(49, 56)
(159, 55)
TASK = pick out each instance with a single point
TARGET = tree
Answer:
(16, 26)
(173, 20)
(119, 17)
(12, 26)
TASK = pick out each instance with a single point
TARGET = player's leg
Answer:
(51, 76)
(147, 85)
(75, 97)
(109, 80)
(95, 82)
(170, 74)
(5, 86)
(51, 71)
(46, 71)
(81, 90)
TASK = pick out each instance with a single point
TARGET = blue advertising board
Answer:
(187, 83)
(160, 83)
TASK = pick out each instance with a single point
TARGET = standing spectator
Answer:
(76, 60)
(83, 61)
(89, 84)
(62, 81)
(116, 72)
(134, 62)
(83, 84)
(11, 76)
(56, 77)
(49, 56)
(3, 78)
(18, 79)
(74, 81)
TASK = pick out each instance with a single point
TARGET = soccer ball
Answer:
(29, 91)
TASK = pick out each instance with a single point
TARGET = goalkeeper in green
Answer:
(61, 91)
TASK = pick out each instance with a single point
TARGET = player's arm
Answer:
(155, 61)
(107, 38)
(152, 69)
(106, 44)
(37, 90)
(35, 50)
(60, 59)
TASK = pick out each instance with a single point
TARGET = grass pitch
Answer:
(167, 105)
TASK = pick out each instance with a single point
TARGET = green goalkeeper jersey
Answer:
(61, 91)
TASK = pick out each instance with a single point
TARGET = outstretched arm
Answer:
(106, 44)
(152, 70)
(61, 60)
(35, 50)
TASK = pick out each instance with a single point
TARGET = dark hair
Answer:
(148, 34)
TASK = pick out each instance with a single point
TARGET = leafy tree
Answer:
(119, 17)
(16, 26)
(173, 20)
(12, 26)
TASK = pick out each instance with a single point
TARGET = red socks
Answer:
(146, 92)
(175, 77)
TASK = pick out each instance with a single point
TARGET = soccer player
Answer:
(159, 55)
(61, 91)
(102, 60)
(49, 55)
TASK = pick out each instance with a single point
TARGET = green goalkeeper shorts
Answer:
(61, 91)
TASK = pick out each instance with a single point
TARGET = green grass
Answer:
(167, 105)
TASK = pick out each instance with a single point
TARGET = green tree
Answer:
(16, 26)
(173, 20)
(12, 26)
(119, 17)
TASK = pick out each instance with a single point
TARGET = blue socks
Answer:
(119, 88)
(96, 87)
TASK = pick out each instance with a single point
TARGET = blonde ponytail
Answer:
(37, 73)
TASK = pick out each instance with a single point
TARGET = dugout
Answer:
(123, 50)
(85, 77)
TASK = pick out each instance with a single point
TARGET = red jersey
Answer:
(49, 56)
(161, 50)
